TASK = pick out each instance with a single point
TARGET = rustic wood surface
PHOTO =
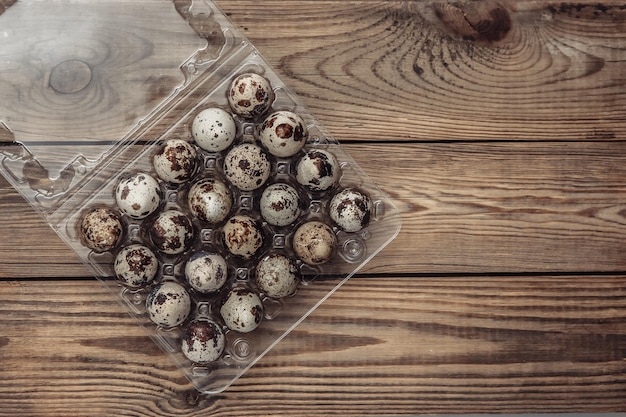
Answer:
(499, 128)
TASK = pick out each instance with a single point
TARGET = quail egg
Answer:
(318, 170)
(350, 209)
(210, 200)
(283, 133)
(242, 236)
(213, 129)
(135, 266)
(101, 229)
(314, 242)
(138, 195)
(277, 276)
(175, 162)
(250, 95)
(168, 304)
(246, 166)
(206, 272)
(242, 310)
(203, 341)
(172, 232)
(280, 204)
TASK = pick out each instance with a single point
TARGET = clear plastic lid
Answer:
(80, 77)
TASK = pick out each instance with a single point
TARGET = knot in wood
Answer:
(486, 20)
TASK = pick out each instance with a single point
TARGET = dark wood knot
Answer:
(483, 20)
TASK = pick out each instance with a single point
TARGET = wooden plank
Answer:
(466, 207)
(389, 345)
(503, 145)
(394, 70)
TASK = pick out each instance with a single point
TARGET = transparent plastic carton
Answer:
(93, 91)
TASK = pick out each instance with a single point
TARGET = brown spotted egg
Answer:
(203, 341)
(172, 232)
(206, 272)
(101, 229)
(318, 170)
(242, 236)
(135, 266)
(168, 304)
(138, 195)
(242, 310)
(175, 162)
(314, 242)
(210, 200)
(246, 166)
(283, 133)
(213, 129)
(250, 95)
(280, 204)
(277, 276)
(350, 209)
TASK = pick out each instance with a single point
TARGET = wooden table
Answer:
(499, 128)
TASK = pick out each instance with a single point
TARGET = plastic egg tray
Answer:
(207, 76)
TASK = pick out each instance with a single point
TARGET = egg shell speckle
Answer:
(283, 133)
(175, 162)
(242, 236)
(210, 200)
(101, 229)
(135, 266)
(203, 341)
(314, 242)
(206, 272)
(318, 170)
(138, 195)
(242, 310)
(250, 95)
(350, 209)
(213, 129)
(277, 276)
(168, 304)
(172, 232)
(280, 204)
(246, 166)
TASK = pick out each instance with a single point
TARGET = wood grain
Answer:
(498, 127)
(429, 345)
(557, 74)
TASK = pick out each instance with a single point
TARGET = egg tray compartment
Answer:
(280, 315)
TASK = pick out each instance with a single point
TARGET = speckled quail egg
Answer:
(138, 195)
(172, 232)
(203, 341)
(101, 229)
(213, 129)
(283, 133)
(168, 304)
(175, 162)
(206, 272)
(210, 200)
(280, 204)
(277, 276)
(246, 166)
(250, 95)
(314, 242)
(318, 170)
(350, 209)
(242, 236)
(242, 310)
(135, 266)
